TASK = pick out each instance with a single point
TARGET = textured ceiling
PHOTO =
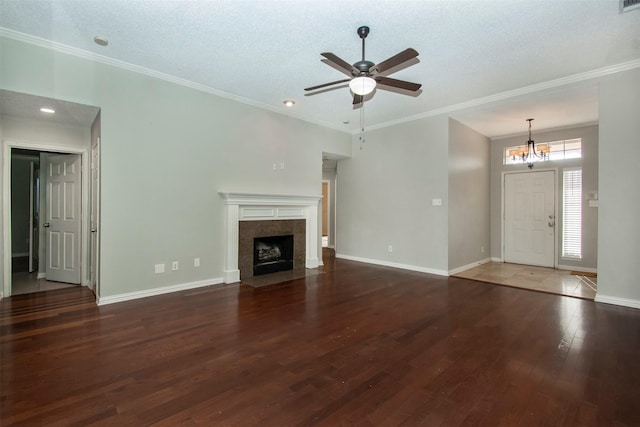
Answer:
(265, 51)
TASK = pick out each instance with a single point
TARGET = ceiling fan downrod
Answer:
(363, 32)
(364, 65)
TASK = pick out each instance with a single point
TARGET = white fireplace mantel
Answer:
(261, 207)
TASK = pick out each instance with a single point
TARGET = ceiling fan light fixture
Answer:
(362, 85)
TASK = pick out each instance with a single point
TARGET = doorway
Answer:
(57, 218)
(529, 218)
(67, 128)
(329, 205)
(326, 208)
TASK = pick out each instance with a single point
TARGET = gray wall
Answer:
(27, 130)
(469, 209)
(589, 164)
(166, 152)
(619, 228)
(384, 196)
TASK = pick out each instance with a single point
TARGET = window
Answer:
(572, 213)
(559, 150)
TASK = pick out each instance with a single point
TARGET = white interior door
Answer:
(529, 218)
(63, 218)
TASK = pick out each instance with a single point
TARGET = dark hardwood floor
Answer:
(357, 345)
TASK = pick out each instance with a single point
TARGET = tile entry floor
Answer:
(541, 279)
(26, 283)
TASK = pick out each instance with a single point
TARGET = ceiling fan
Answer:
(365, 75)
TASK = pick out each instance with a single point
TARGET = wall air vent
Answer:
(629, 5)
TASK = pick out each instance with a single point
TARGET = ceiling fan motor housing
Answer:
(363, 66)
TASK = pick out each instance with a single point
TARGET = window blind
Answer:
(572, 213)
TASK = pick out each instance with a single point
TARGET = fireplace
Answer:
(254, 215)
(272, 254)
(284, 236)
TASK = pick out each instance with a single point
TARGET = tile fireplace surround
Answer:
(265, 207)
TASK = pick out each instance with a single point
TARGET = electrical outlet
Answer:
(482, 249)
(390, 249)
(196, 262)
(281, 165)
(159, 268)
(436, 202)
(174, 266)
(275, 167)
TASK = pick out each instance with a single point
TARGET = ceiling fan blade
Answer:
(326, 84)
(348, 68)
(395, 60)
(401, 84)
(357, 99)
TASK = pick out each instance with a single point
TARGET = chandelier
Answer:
(527, 153)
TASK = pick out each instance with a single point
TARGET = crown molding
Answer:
(79, 53)
(526, 90)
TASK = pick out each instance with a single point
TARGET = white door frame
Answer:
(94, 220)
(6, 204)
(31, 214)
(555, 208)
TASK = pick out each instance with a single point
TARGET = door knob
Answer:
(551, 223)
(46, 224)
(93, 230)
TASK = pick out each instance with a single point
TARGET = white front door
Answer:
(529, 218)
(63, 218)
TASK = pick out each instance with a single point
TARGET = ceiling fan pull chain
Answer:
(362, 140)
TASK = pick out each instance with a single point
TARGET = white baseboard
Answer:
(42, 275)
(394, 265)
(575, 268)
(468, 266)
(157, 291)
(625, 302)
(497, 259)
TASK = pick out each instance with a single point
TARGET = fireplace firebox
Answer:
(272, 254)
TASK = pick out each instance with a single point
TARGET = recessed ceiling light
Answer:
(48, 110)
(289, 102)
(101, 40)
(346, 122)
